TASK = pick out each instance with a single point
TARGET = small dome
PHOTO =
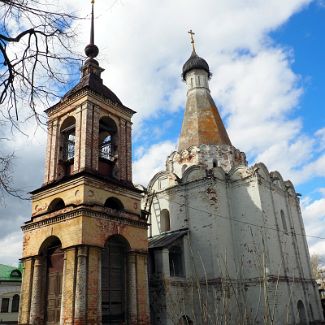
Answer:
(195, 62)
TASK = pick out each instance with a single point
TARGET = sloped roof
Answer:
(94, 83)
(167, 238)
(7, 273)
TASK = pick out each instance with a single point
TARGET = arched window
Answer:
(15, 274)
(114, 281)
(284, 223)
(164, 220)
(301, 312)
(68, 138)
(114, 203)
(107, 138)
(175, 261)
(55, 205)
(15, 304)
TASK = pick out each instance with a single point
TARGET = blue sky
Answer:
(303, 35)
(267, 60)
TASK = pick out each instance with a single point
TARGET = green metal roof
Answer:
(10, 273)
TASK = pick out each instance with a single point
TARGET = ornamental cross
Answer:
(192, 38)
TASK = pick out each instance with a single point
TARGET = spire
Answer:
(91, 50)
(202, 123)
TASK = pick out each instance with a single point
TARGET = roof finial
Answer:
(91, 49)
(192, 38)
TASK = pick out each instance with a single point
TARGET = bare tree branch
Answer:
(36, 61)
(32, 55)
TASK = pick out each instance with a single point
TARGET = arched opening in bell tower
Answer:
(67, 145)
(107, 145)
(52, 257)
(114, 281)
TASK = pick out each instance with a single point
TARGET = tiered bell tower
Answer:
(85, 246)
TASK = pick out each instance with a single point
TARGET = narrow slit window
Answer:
(284, 223)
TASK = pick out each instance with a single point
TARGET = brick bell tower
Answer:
(85, 246)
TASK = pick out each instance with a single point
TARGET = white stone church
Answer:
(227, 242)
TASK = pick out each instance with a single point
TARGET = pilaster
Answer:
(94, 303)
(132, 288)
(36, 313)
(68, 286)
(26, 289)
(81, 287)
(129, 152)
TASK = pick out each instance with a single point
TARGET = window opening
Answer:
(164, 220)
(68, 138)
(70, 145)
(107, 138)
(15, 274)
(5, 305)
(284, 223)
(55, 205)
(175, 261)
(105, 150)
(114, 203)
(15, 304)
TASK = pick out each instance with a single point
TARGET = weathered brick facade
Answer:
(87, 208)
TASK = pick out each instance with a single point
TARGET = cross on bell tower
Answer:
(85, 246)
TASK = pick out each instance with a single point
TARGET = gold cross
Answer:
(192, 38)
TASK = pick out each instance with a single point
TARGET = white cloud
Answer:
(151, 162)
(321, 138)
(11, 248)
(314, 218)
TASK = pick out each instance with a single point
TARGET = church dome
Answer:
(195, 62)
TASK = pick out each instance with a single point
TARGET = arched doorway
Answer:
(54, 275)
(114, 281)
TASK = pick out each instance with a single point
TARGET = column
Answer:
(26, 287)
(142, 289)
(122, 151)
(94, 139)
(94, 302)
(36, 312)
(132, 289)
(81, 287)
(68, 286)
(128, 152)
(48, 152)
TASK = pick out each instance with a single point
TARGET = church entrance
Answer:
(55, 260)
(114, 281)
